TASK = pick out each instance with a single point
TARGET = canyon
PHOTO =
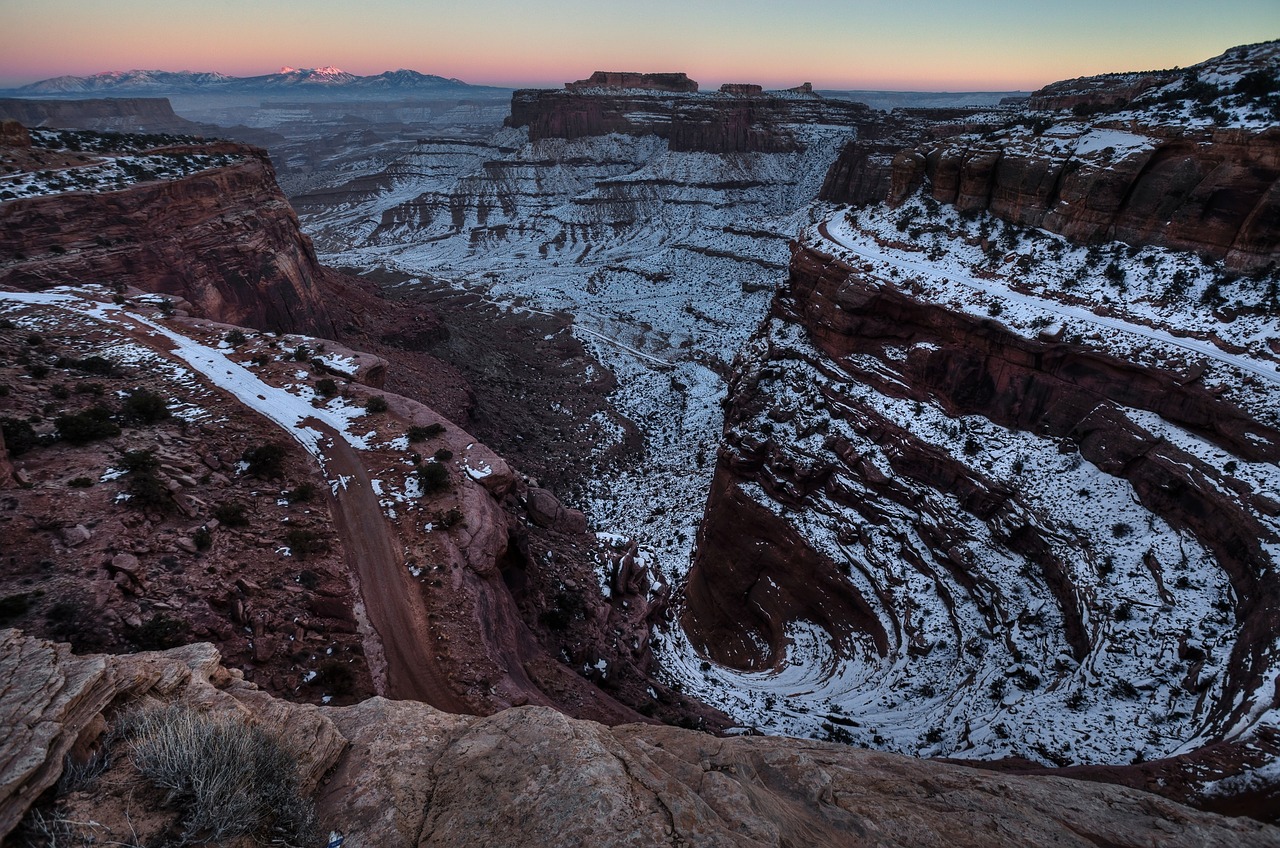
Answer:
(989, 477)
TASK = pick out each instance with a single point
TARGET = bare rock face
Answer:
(13, 134)
(676, 82)
(711, 123)
(225, 239)
(402, 773)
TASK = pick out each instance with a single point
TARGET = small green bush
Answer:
(419, 434)
(90, 425)
(19, 436)
(433, 477)
(203, 539)
(265, 460)
(443, 455)
(327, 387)
(377, 403)
(301, 493)
(232, 514)
(89, 365)
(13, 607)
(235, 338)
(159, 633)
(304, 543)
(146, 407)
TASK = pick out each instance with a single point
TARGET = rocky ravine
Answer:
(402, 773)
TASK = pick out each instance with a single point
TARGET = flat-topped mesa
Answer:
(675, 82)
(110, 114)
(741, 88)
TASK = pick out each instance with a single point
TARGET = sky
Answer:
(934, 45)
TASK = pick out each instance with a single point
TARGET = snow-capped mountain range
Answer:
(327, 81)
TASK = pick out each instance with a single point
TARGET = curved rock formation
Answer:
(877, 520)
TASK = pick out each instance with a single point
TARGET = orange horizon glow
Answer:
(936, 45)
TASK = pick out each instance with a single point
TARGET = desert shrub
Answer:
(1120, 529)
(377, 403)
(14, 607)
(419, 434)
(158, 633)
(146, 490)
(202, 538)
(146, 407)
(1124, 689)
(301, 353)
(304, 543)
(301, 493)
(226, 778)
(235, 338)
(80, 482)
(327, 387)
(443, 455)
(433, 477)
(232, 514)
(265, 460)
(19, 437)
(336, 677)
(89, 365)
(38, 370)
(567, 607)
(90, 425)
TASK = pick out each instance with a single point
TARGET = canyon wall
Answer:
(916, 487)
(708, 123)
(224, 239)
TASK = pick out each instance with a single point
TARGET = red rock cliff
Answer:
(224, 239)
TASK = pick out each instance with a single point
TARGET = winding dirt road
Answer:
(392, 601)
(400, 655)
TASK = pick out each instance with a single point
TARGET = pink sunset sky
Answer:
(872, 44)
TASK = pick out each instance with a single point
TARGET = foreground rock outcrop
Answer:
(401, 773)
